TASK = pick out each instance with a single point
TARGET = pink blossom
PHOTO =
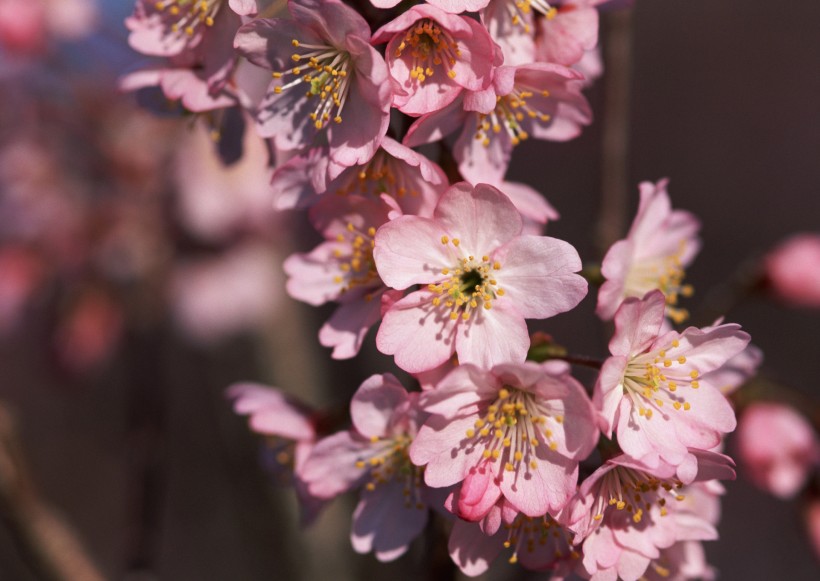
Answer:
(392, 507)
(482, 279)
(661, 243)
(542, 101)
(778, 447)
(517, 430)
(793, 270)
(739, 369)
(568, 32)
(654, 392)
(630, 514)
(433, 55)
(172, 27)
(538, 544)
(27, 25)
(412, 180)
(342, 269)
(198, 71)
(327, 80)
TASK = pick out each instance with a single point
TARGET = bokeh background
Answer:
(135, 446)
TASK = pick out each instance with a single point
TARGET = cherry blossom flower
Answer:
(342, 269)
(517, 430)
(392, 507)
(793, 270)
(778, 447)
(482, 280)
(661, 243)
(537, 543)
(568, 32)
(412, 180)
(653, 391)
(434, 55)
(171, 27)
(542, 101)
(327, 80)
(629, 514)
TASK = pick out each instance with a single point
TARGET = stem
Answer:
(615, 129)
(47, 545)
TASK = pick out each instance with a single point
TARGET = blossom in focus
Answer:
(627, 514)
(653, 391)
(517, 430)
(327, 80)
(342, 269)
(778, 447)
(372, 455)
(660, 244)
(481, 278)
(542, 101)
(434, 55)
(792, 270)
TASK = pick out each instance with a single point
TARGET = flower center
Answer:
(356, 260)
(636, 492)
(189, 16)
(665, 273)
(379, 176)
(510, 113)
(652, 380)
(430, 47)
(470, 285)
(326, 72)
(513, 428)
(389, 460)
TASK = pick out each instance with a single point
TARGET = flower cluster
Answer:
(447, 260)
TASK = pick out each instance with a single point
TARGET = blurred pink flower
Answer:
(481, 278)
(778, 447)
(27, 25)
(661, 243)
(654, 392)
(217, 201)
(793, 270)
(238, 291)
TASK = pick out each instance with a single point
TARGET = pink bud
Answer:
(778, 448)
(793, 270)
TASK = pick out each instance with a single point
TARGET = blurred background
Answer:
(138, 280)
